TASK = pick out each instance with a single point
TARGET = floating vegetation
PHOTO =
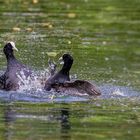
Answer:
(48, 25)
(29, 29)
(16, 29)
(35, 1)
(71, 15)
(52, 54)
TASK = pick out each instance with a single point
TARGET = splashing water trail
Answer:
(114, 91)
(31, 88)
(118, 93)
(32, 83)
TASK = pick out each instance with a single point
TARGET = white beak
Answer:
(14, 46)
(61, 60)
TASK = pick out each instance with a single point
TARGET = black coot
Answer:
(60, 82)
(61, 76)
(10, 79)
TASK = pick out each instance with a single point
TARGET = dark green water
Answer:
(103, 37)
(87, 120)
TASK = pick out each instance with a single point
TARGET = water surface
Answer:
(103, 37)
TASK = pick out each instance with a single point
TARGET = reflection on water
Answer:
(65, 123)
(12, 115)
(70, 121)
(9, 120)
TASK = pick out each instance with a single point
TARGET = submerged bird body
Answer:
(15, 69)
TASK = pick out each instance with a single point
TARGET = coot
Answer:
(15, 69)
(60, 82)
(62, 75)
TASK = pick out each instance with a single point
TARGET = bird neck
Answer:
(10, 56)
(64, 71)
(66, 68)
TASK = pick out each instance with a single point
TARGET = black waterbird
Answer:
(15, 69)
(60, 81)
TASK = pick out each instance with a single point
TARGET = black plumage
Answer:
(63, 75)
(60, 82)
(77, 87)
(15, 69)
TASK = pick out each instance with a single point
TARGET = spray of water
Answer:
(32, 83)
(31, 88)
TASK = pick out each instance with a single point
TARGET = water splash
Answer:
(113, 91)
(118, 93)
(31, 88)
(33, 83)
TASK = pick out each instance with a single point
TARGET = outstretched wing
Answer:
(78, 86)
(88, 87)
